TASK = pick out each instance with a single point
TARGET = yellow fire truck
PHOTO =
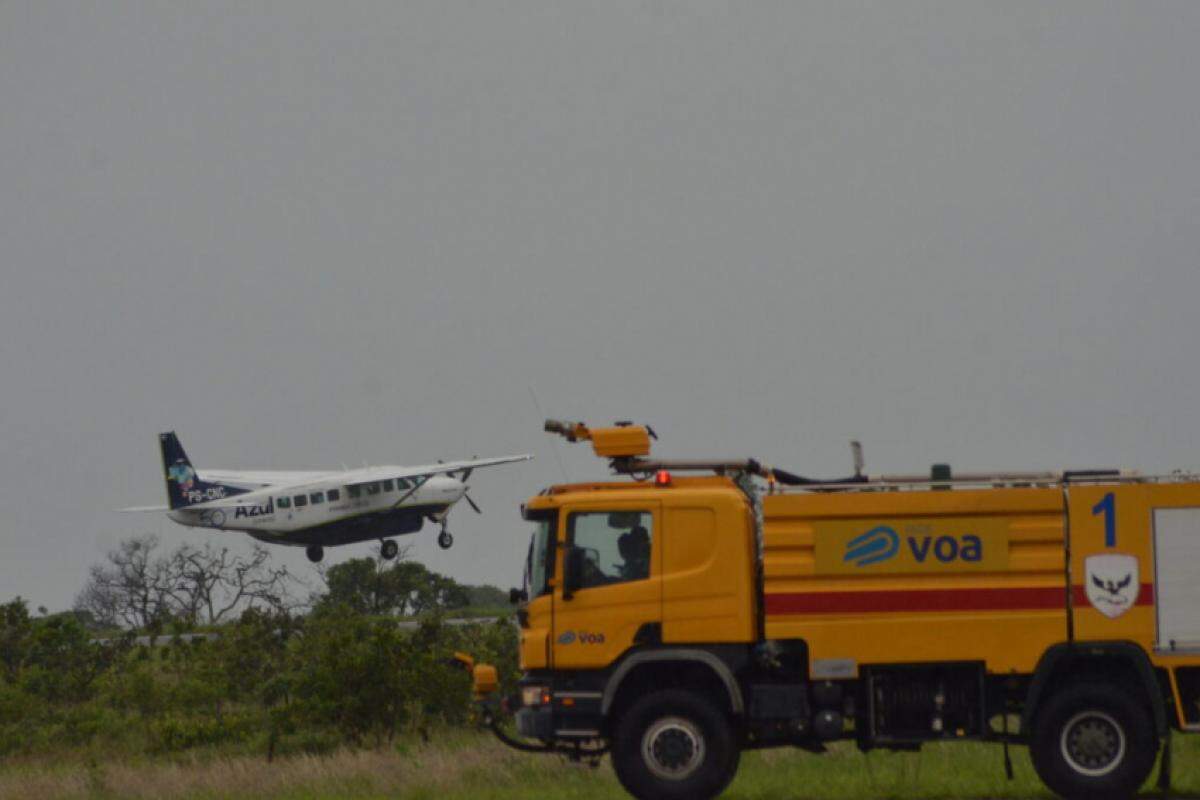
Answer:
(675, 619)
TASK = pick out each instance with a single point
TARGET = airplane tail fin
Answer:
(184, 486)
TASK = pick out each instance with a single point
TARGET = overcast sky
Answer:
(309, 234)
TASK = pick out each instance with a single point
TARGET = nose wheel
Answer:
(445, 540)
(315, 553)
(389, 549)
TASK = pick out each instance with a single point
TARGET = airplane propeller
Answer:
(462, 477)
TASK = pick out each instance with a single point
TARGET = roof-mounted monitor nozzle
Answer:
(622, 440)
(856, 451)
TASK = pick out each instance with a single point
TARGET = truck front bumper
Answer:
(536, 723)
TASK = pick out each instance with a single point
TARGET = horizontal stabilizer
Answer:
(143, 508)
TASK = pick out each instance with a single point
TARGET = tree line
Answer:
(293, 667)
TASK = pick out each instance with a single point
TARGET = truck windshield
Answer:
(539, 565)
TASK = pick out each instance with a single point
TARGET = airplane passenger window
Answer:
(354, 491)
(317, 497)
(300, 500)
(334, 495)
(387, 485)
(373, 487)
(283, 502)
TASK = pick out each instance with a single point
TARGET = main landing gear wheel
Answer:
(674, 745)
(445, 540)
(1094, 740)
(389, 549)
(315, 553)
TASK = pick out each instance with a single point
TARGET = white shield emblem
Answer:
(1112, 583)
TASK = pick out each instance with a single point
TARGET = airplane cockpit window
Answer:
(419, 480)
(300, 501)
(317, 497)
(402, 484)
(283, 502)
(373, 487)
(354, 491)
(334, 495)
(387, 485)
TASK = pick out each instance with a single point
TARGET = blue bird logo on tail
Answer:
(182, 474)
(878, 544)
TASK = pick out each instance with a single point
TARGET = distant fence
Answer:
(188, 638)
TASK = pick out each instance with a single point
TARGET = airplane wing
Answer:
(260, 477)
(459, 466)
(359, 477)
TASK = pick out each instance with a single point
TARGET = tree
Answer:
(135, 588)
(129, 590)
(208, 584)
(376, 586)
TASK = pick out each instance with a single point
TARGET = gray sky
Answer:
(307, 234)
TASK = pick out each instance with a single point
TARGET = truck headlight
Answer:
(535, 695)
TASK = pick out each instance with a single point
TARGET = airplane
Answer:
(316, 510)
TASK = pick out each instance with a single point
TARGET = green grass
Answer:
(458, 766)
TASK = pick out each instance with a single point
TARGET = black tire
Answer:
(664, 731)
(445, 540)
(389, 549)
(315, 553)
(1094, 740)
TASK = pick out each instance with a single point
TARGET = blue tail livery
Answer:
(184, 486)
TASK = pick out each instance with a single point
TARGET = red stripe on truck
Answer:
(991, 599)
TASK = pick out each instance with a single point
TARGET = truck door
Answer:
(616, 589)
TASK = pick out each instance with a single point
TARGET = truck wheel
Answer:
(674, 745)
(1093, 740)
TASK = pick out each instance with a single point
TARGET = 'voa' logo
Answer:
(878, 544)
(583, 637)
(882, 543)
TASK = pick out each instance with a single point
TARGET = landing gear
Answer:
(445, 540)
(389, 549)
(315, 553)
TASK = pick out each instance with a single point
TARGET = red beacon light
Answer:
(662, 478)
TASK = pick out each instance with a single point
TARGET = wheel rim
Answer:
(673, 748)
(1093, 743)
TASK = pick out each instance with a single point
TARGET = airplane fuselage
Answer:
(328, 512)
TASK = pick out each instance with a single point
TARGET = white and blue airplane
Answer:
(316, 510)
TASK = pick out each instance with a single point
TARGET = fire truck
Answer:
(692, 610)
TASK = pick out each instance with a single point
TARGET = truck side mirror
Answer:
(516, 596)
(573, 560)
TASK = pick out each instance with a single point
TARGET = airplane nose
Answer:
(448, 487)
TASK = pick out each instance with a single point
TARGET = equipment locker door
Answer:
(1177, 577)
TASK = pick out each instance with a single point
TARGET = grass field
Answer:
(475, 766)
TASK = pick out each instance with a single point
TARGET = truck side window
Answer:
(616, 546)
